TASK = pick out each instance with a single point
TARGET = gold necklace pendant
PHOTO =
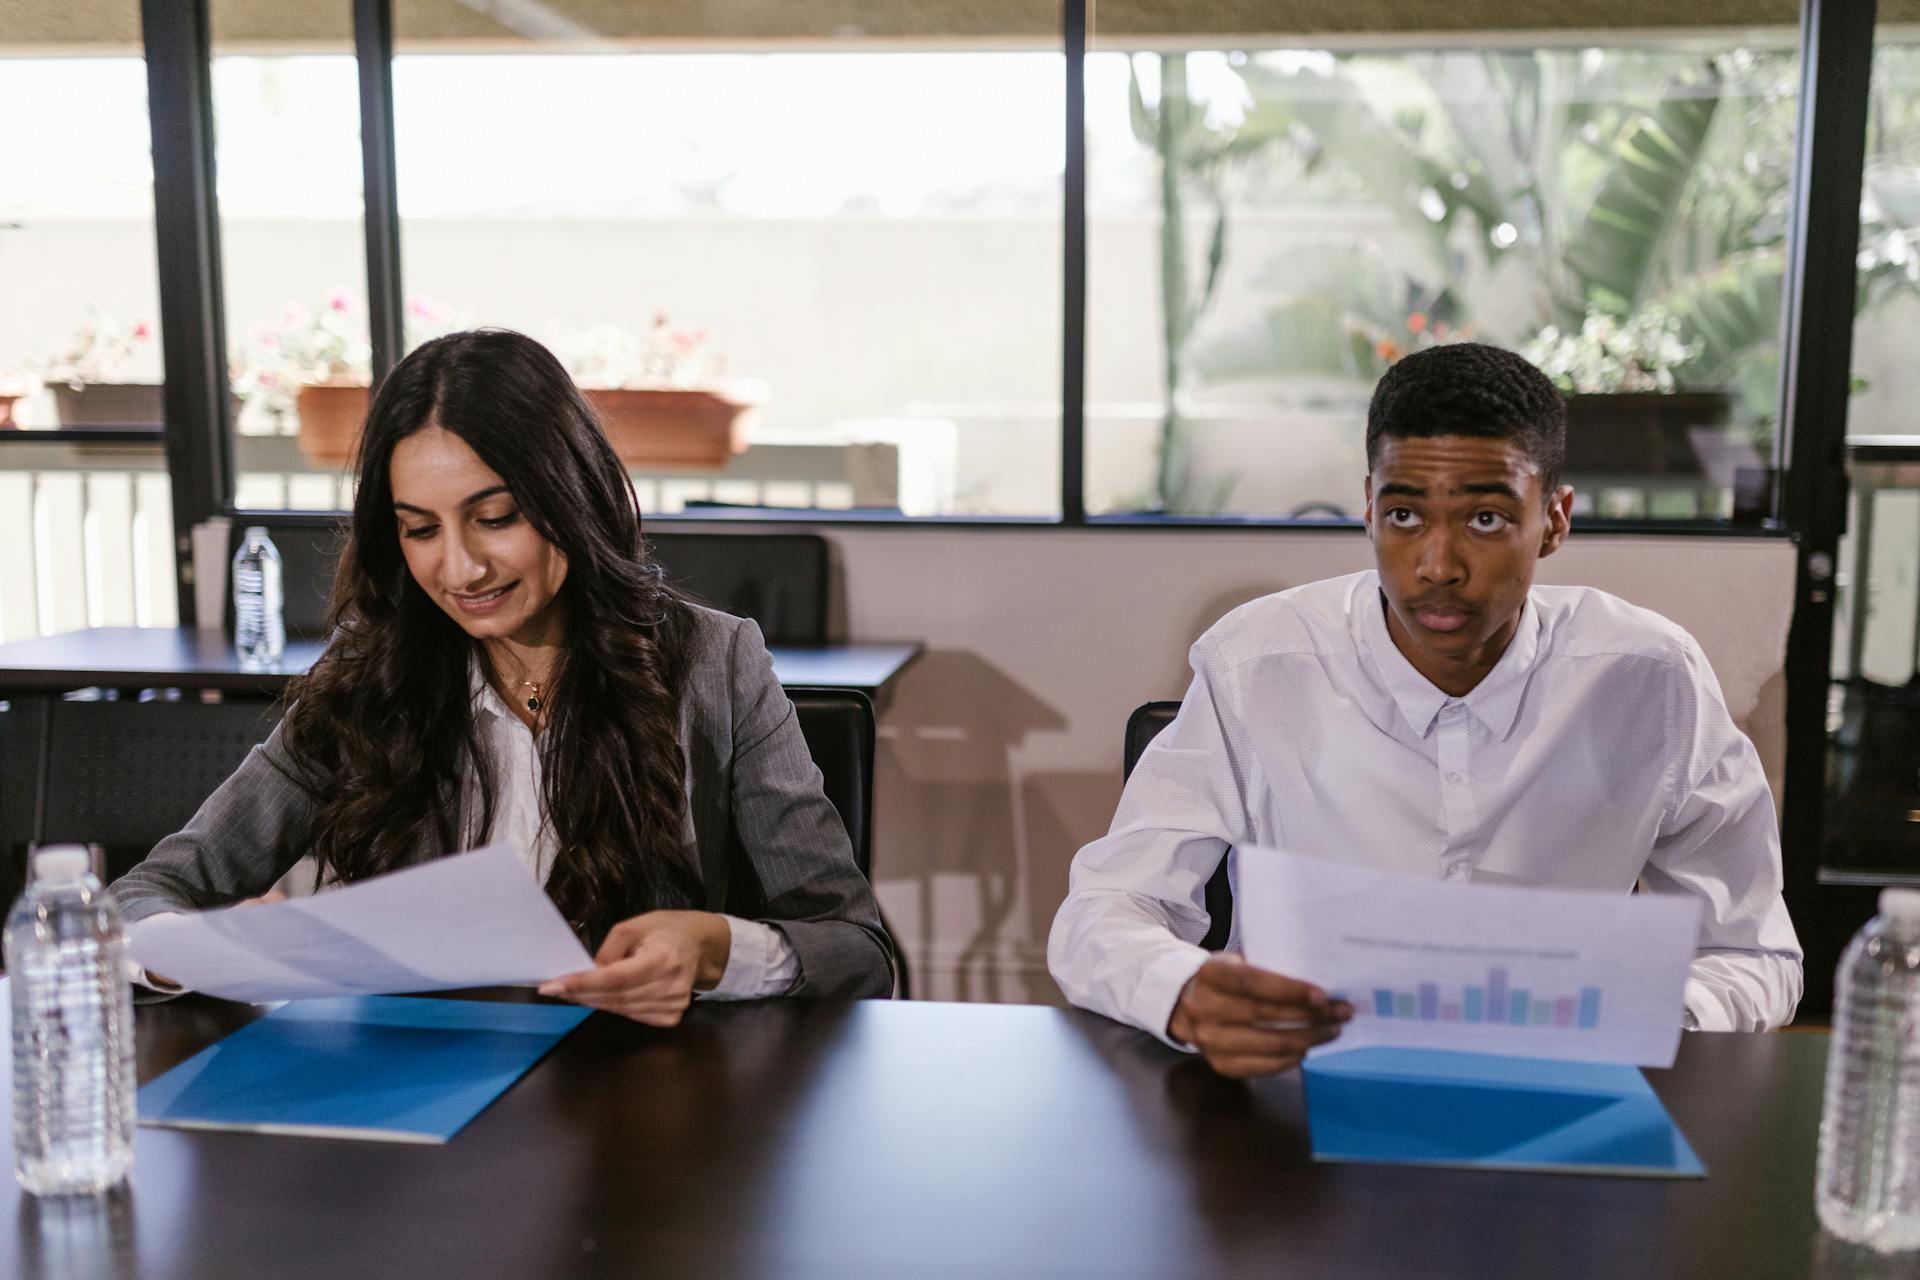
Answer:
(533, 701)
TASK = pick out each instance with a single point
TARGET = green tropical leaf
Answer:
(1611, 253)
(1146, 128)
(1345, 127)
(1216, 258)
(1729, 311)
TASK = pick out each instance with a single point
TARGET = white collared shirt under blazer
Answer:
(1596, 754)
(760, 962)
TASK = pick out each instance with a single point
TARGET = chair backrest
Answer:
(777, 579)
(308, 553)
(1143, 726)
(838, 726)
(127, 774)
(121, 774)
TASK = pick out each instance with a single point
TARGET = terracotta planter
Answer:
(109, 405)
(331, 414)
(6, 412)
(647, 426)
(673, 426)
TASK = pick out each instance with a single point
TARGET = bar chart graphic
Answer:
(1492, 1002)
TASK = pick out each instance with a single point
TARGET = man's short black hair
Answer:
(1471, 389)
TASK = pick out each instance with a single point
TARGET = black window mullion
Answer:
(386, 312)
(1836, 62)
(1073, 367)
(178, 41)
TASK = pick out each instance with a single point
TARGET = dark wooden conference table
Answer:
(184, 658)
(793, 1139)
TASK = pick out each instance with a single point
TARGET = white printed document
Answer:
(1476, 968)
(471, 920)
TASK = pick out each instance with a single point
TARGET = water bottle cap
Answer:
(58, 863)
(256, 531)
(1901, 904)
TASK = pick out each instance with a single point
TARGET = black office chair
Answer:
(120, 774)
(838, 727)
(777, 579)
(1143, 726)
(309, 548)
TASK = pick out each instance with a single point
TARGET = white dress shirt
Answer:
(1598, 752)
(760, 961)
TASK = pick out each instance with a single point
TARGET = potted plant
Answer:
(92, 376)
(14, 387)
(1626, 413)
(308, 377)
(660, 397)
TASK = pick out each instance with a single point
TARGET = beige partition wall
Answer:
(1000, 749)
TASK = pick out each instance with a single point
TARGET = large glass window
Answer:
(816, 265)
(1873, 790)
(85, 510)
(1270, 228)
(286, 102)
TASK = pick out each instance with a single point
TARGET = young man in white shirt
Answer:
(1437, 716)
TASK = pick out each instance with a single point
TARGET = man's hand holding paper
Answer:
(1248, 1022)
(1540, 973)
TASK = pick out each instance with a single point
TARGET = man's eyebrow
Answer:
(1401, 488)
(467, 501)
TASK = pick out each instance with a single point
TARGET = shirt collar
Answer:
(485, 697)
(1494, 702)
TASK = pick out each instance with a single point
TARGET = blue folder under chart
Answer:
(387, 1068)
(1468, 1110)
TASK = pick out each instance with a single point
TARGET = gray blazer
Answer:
(768, 843)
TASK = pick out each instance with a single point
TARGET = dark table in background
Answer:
(189, 659)
(792, 1139)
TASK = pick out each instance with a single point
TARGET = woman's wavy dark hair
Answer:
(384, 721)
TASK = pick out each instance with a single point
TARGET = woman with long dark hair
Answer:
(507, 664)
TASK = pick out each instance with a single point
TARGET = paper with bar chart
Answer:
(1428, 964)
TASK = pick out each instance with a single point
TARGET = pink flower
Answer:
(339, 300)
(142, 331)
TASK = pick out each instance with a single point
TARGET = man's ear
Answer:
(1367, 488)
(1559, 520)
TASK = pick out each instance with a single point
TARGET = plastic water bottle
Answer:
(259, 621)
(72, 1030)
(1867, 1187)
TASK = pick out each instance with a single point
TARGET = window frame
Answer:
(177, 35)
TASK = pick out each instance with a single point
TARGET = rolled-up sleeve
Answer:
(760, 963)
(1125, 941)
(1719, 842)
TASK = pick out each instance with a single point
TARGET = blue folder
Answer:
(1470, 1110)
(390, 1068)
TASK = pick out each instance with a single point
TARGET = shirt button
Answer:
(1453, 871)
(1454, 776)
